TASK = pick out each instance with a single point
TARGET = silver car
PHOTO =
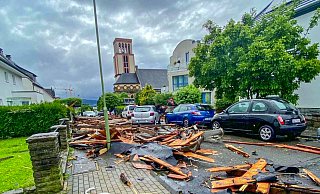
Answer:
(145, 114)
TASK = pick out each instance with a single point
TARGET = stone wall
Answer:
(45, 156)
(312, 116)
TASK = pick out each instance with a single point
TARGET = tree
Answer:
(145, 96)
(188, 94)
(112, 100)
(255, 58)
(161, 99)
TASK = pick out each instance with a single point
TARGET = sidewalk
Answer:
(103, 176)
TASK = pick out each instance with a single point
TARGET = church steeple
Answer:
(123, 58)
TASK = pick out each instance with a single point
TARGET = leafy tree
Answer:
(161, 99)
(112, 100)
(86, 107)
(188, 94)
(145, 96)
(255, 58)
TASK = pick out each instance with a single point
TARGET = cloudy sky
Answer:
(55, 39)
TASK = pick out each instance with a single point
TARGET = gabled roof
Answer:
(157, 78)
(127, 78)
(304, 6)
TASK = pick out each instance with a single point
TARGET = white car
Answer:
(126, 113)
(145, 115)
(89, 114)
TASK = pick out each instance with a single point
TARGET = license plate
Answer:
(295, 120)
(208, 119)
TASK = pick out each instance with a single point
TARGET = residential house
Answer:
(19, 86)
(309, 93)
(178, 73)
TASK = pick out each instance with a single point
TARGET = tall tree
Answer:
(145, 96)
(255, 58)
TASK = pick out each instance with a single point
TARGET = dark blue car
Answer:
(190, 114)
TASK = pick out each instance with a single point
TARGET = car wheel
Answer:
(215, 125)
(185, 122)
(266, 133)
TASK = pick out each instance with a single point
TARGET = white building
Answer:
(178, 73)
(309, 93)
(18, 86)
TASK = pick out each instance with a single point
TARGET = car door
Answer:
(257, 115)
(236, 118)
(172, 116)
(182, 113)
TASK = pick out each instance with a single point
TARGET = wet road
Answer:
(225, 157)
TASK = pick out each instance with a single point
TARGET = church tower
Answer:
(123, 58)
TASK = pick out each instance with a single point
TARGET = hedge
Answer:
(20, 121)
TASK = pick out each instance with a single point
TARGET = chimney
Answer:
(8, 57)
(1, 51)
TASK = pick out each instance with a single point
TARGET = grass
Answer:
(15, 172)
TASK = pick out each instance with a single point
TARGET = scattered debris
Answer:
(312, 176)
(229, 168)
(237, 150)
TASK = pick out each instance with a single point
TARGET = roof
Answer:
(127, 78)
(157, 78)
(304, 6)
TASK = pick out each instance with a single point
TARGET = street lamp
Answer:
(105, 111)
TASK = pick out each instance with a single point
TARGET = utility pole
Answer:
(105, 111)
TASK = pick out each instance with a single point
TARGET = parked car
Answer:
(145, 114)
(127, 111)
(266, 117)
(190, 114)
(89, 114)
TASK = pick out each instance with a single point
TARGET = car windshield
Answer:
(204, 107)
(131, 107)
(283, 105)
(142, 109)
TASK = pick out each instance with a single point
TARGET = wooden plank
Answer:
(237, 150)
(244, 179)
(297, 148)
(193, 155)
(312, 176)
(206, 151)
(139, 165)
(249, 143)
(177, 176)
(263, 187)
(167, 165)
(193, 137)
(308, 147)
(103, 142)
(229, 168)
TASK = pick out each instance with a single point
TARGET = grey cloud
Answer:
(56, 38)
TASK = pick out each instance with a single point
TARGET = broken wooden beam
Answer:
(308, 147)
(206, 151)
(193, 155)
(297, 148)
(229, 168)
(244, 179)
(312, 176)
(237, 150)
(167, 165)
(249, 143)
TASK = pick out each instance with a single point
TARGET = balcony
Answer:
(177, 67)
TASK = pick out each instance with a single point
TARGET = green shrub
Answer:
(221, 104)
(19, 121)
(187, 94)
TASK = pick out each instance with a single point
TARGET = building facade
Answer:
(178, 73)
(18, 86)
(309, 93)
(128, 77)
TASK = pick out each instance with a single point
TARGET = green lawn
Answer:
(15, 172)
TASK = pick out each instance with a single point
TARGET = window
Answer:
(204, 107)
(13, 79)
(1, 102)
(176, 109)
(206, 97)
(129, 49)
(283, 105)
(6, 77)
(142, 109)
(259, 107)
(240, 107)
(183, 108)
(125, 64)
(187, 58)
(179, 81)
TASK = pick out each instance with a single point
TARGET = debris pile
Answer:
(260, 177)
(146, 147)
